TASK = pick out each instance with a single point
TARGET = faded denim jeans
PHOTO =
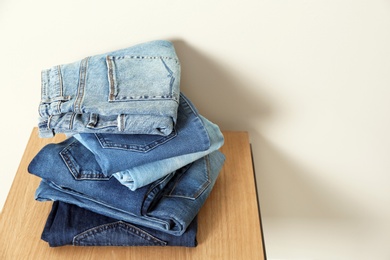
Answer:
(68, 224)
(133, 90)
(137, 160)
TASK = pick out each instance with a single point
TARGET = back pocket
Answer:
(191, 180)
(141, 77)
(117, 234)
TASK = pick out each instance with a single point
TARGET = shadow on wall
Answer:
(289, 190)
(218, 94)
(285, 188)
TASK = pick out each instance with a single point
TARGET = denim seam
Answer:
(60, 89)
(43, 83)
(78, 239)
(202, 128)
(148, 200)
(81, 86)
(187, 105)
(72, 166)
(201, 188)
(60, 80)
(92, 124)
(72, 117)
(170, 74)
(141, 57)
(110, 71)
(132, 147)
(145, 98)
(195, 112)
(48, 101)
(136, 219)
(113, 95)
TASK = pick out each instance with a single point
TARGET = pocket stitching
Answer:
(113, 89)
(72, 166)
(133, 147)
(78, 239)
(199, 191)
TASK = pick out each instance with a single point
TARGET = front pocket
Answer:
(141, 77)
(137, 143)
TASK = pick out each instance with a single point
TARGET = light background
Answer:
(309, 80)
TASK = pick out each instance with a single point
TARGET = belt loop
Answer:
(93, 118)
(121, 122)
(48, 122)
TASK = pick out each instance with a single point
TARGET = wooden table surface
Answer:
(229, 222)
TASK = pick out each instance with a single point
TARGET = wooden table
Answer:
(229, 222)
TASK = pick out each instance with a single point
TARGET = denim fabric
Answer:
(117, 152)
(122, 155)
(169, 204)
(68, 224)
(134, 90)
(136, 177)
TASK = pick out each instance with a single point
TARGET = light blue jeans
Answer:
(134, 90)
(136, 177)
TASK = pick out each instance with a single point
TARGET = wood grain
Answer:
(229, 223)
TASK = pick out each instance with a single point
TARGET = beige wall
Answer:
(309, 80)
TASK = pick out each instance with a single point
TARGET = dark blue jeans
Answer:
(69, 224)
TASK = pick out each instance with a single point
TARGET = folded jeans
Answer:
(168, 204)
(137, 160)
(134, 90)
(68, 224)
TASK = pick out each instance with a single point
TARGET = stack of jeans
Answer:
(138, 162)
